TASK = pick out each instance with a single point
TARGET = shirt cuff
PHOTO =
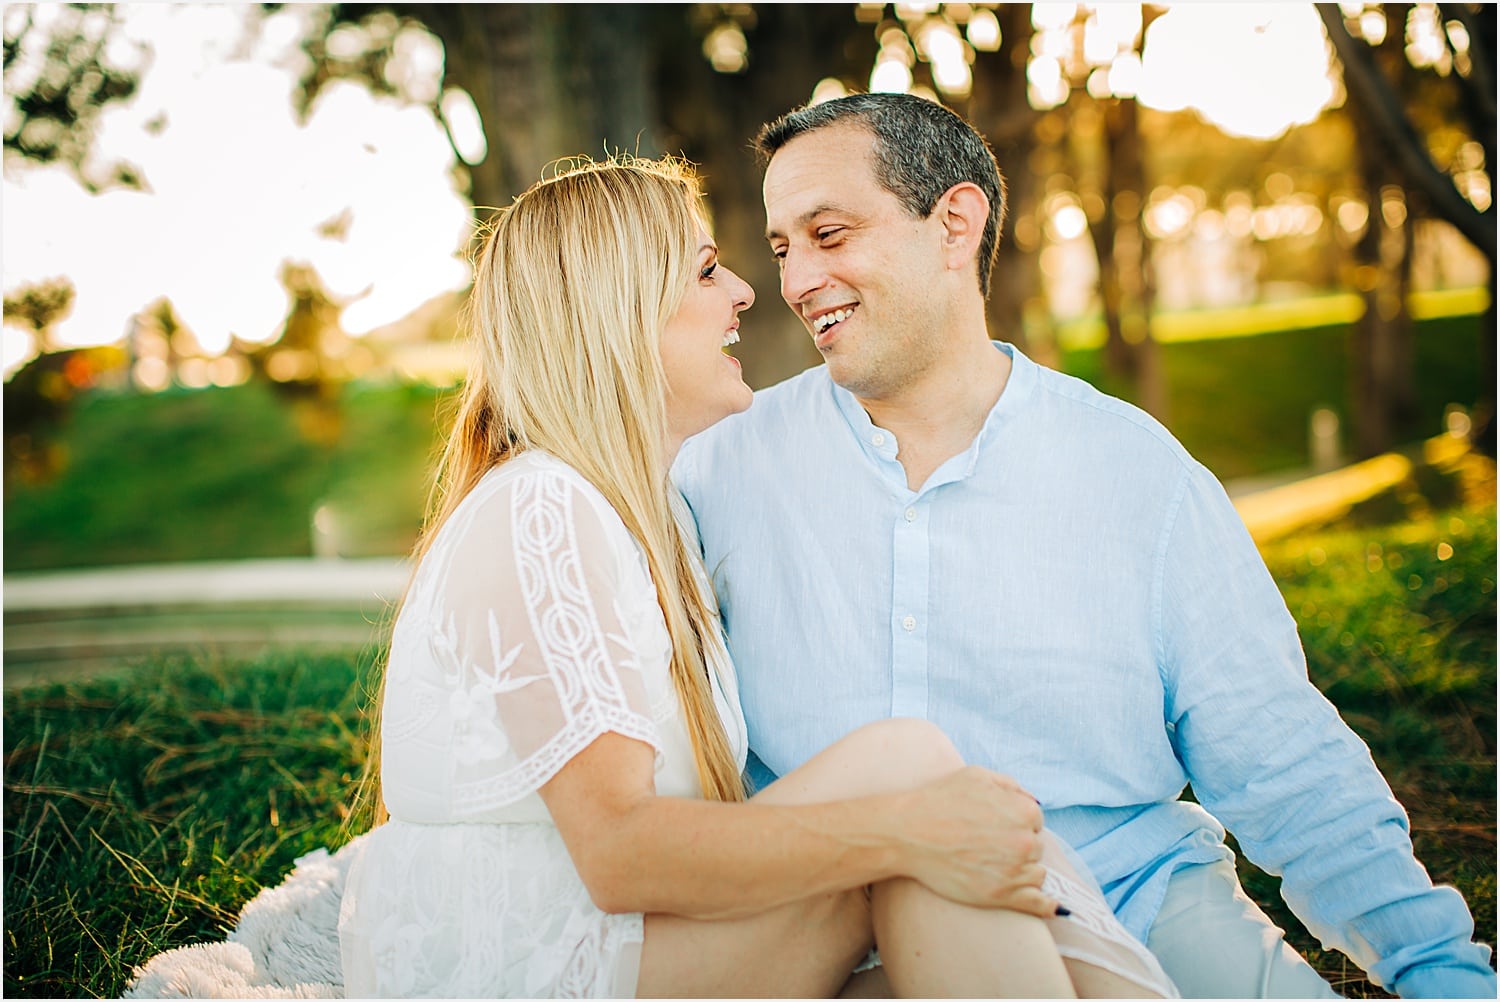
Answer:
(1447, 983)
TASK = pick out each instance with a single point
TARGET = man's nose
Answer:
(800, 276)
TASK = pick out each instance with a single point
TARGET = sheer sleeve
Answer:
(534, 636)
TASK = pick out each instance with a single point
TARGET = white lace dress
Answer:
(530, 629)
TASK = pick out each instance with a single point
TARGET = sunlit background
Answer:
(238, 191)
(236, 238)
(236, 188)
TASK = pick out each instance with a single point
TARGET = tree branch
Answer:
(1379, 102)
(1481, 77)
(1477, 88)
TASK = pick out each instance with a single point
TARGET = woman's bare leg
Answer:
(950, 950)
(935, 948)
(1075, 935)
(801, 950)
(808, 948)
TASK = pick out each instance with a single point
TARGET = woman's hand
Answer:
(910, 810)
(974, 837)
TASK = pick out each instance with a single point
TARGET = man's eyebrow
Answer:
(807, 217)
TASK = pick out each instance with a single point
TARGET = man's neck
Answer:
(937, 417)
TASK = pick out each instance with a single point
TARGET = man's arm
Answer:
(1270, 757)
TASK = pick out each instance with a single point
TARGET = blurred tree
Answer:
(1096, 143)
(1383, 383)
(552, 81)
(39, 396)
(1126, 284)
(1460, 83)
(548, 80)
(1000, 110)
(303, 364)
(63, 65)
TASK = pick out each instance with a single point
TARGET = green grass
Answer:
(224, 474)
(1241, 405)
(232, 473)
(1399, 627)
(143, 810)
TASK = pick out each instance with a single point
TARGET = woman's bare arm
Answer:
(971, 836)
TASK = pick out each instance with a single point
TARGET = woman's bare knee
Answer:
(908, 750)
(882, 757)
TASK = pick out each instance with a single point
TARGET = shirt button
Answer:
(911, 514)
(877, 439)
(909, 623)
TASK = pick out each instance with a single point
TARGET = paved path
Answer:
(331, 581)
(62, 624)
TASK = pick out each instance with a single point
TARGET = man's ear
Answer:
(963, 211)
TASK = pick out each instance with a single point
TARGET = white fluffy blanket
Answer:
(285, 945)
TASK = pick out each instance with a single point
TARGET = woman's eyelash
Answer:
(708, 271)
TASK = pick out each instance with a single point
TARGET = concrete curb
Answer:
(279, 582)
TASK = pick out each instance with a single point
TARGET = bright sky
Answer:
(237, 187)
(1251, 69)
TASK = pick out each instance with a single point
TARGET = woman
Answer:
(561, 739)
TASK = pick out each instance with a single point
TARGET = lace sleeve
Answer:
(535, 590)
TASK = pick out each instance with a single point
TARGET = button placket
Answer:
(909, 604)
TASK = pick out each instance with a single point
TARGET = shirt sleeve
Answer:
(1269, 756)
(533, 629)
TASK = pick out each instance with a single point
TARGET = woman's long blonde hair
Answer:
(573, 285)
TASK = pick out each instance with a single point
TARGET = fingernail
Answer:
(1063, 912)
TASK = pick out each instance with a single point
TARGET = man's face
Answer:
(856, 267)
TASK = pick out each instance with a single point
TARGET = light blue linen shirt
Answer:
(1075, 601)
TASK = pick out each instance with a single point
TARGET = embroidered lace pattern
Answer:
(1092, 934)
(531, 628)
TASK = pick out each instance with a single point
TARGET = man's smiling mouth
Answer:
(830, 318)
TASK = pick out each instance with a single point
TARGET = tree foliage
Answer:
(63, 66)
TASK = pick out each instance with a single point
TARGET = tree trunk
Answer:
(1377, 332)
(1000, 110)
(1119, 359)
(1126, 285)
(1382, 384)
(1482, 433)
(1132, 255)
(550, 81)
(1403, 386)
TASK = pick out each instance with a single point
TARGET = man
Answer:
(931, 525)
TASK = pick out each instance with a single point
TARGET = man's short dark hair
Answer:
(921, 149)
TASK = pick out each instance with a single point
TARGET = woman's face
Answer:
(703, 380)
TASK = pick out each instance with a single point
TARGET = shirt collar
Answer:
(880, 446)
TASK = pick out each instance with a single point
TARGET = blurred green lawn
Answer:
(226, 473)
